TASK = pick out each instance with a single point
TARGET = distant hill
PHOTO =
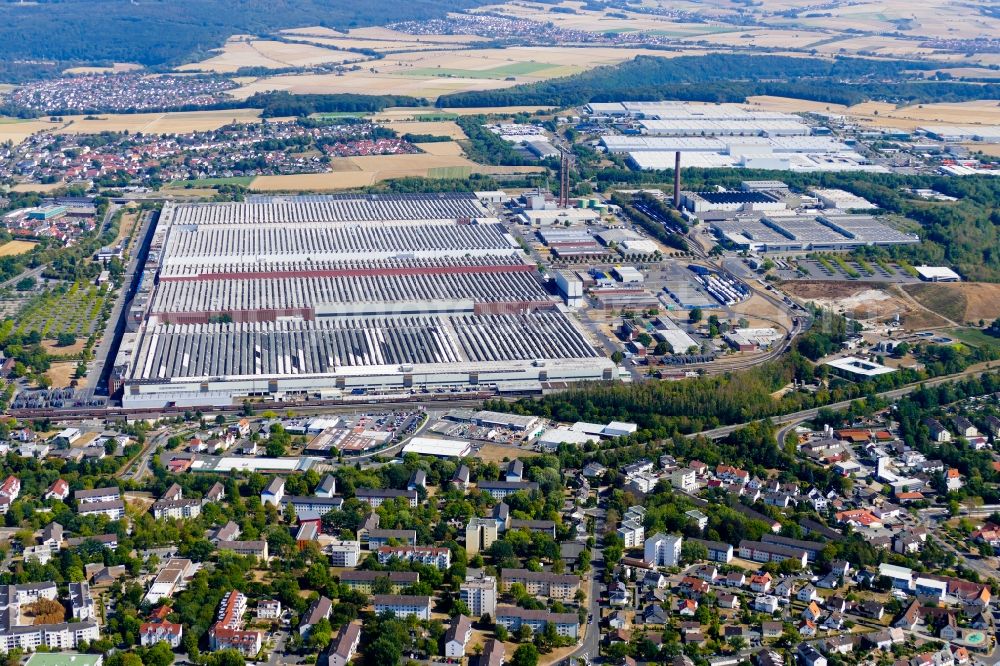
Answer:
(160, 32)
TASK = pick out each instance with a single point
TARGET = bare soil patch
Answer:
(962, 302)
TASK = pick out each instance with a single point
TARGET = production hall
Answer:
(342, 295)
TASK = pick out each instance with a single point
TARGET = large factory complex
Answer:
(328, 296)
(722, 135)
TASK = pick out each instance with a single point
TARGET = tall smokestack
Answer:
(677, 180)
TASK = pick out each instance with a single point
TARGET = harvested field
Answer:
(430, 74)
(379, 46)
(243, 51)
(353, 172)
(16, 130)
(881, 114)
(37, 187)
(449, 148)
(158, 123)
(599, 21)
(116, 68)
(864, 301)
(423, 115)
(991, 149)
(438, 128)
(367, 83)
(962, 302)
(16, 247)
(792, 39)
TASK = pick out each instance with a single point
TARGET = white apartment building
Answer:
(480, 595)
(662, 550)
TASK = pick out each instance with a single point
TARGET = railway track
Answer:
(299, 406)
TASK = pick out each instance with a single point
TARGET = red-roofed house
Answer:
(158, 629)
(58, 490)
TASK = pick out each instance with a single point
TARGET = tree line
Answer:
(722, 77)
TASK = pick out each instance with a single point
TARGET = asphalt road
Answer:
(589, 647)
(97, 373)
(33, 273)
(139, 467)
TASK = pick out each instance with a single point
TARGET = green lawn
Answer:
(502, 72)
(7, 120)
(975, 337)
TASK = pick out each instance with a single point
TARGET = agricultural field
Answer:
(245, 51)
(38, 187)
(353, 172)
(429, 74)
(983, 112)
(433, 115)
(115, 68)
(15, 130)
(211, 182)
(769, 39)
(74, 310)
(157, 123)
(16, 247)
(437, 128)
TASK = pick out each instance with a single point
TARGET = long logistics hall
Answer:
(301, 297)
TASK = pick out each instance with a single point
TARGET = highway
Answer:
(795, 418)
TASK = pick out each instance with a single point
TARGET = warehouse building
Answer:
(790, 233)
(329, 296)
(730, 202)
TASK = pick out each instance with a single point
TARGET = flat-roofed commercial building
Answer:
(435, 446)
(339, 296)
(789, 233)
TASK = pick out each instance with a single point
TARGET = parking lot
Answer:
(837, 267)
